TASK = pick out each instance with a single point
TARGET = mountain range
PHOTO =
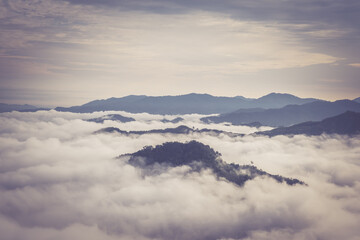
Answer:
(21, 108)
(112, 117)
(274, 109)
(197, 156)
(346, 123)
(174, 120)
(288, 115)
(186, 104)
(182, 129)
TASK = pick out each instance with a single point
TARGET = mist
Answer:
(59, 180)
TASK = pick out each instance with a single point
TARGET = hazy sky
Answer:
(55, 52)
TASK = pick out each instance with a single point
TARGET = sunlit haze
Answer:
(69, 52)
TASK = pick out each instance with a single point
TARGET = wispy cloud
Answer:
(130, 44)
(354, 64)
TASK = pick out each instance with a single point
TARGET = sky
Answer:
(63, 53)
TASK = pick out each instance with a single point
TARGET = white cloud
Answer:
(59, 181)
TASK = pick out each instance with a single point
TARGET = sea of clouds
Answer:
(58, 180)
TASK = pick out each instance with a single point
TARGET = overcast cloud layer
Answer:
(59, 52)
(60, 181)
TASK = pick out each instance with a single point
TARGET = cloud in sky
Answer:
(354, 64)
(117, 48)
(58, 180)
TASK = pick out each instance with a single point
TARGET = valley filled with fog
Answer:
(61, 180)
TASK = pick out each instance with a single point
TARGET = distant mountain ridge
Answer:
(288, 115)
(186, 104)
(174, 120)
(21, 108)
(182, 129)
(111, 117)
(278, 100)
(346, 123)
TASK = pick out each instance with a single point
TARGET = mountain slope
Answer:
(21, 108)
(278, 100)
(154, 160)
(112, 117)
(174, 120)
(177, 130)
(185, 104)
(346, 123)
(288, 115)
